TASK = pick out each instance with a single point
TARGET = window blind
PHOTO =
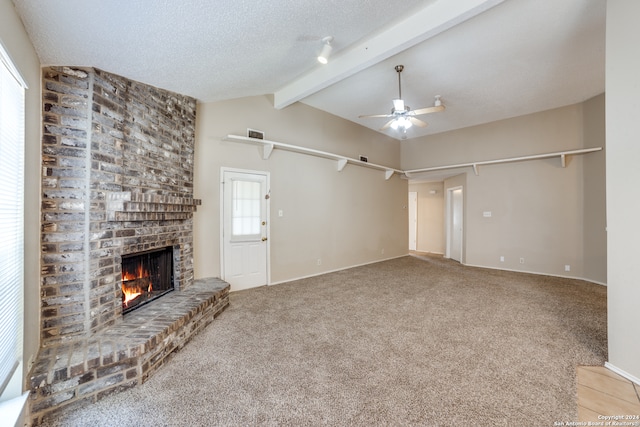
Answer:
(12, 123)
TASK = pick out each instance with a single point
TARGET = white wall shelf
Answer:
(341, 161)
(475, 165)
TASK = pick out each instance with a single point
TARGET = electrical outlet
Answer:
(521, 260)
(501, 259)
(382, 251)
(567, 267)
(319, 261)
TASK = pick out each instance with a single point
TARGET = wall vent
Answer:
(257, 134)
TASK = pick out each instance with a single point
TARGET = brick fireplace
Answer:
(117, 179)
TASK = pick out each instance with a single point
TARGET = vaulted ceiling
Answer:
(488, 59)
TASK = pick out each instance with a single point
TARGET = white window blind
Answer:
(12, 125)
(245, 212)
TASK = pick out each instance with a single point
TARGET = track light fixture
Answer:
(323, 57)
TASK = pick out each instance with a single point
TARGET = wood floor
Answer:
(603, 394)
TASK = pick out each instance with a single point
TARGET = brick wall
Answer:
(117, 179)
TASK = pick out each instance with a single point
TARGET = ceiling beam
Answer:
(420, 26)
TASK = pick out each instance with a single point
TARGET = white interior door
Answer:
(245, 197)
(413, 220)
(455, 224)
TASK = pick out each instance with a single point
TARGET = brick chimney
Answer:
(117, 178)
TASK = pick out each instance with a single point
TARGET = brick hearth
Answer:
(117, 179)
(125, 354)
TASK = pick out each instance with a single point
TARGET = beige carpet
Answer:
(411, 341)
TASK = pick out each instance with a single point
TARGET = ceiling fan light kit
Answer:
(401, 123)
(402, 116)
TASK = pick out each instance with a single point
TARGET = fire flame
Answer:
(133, 291)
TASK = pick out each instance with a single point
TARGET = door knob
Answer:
(264, 239)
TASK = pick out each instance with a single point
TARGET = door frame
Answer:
(413, 216)
(449, 222)
(267, 175)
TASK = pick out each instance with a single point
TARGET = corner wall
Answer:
(623, 176)
(594, 198)
(341, 218)
(540, 212)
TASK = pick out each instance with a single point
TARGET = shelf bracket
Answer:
(388, 174)
(563, 160)
(341, 164)
(475, 169)
(267, 149)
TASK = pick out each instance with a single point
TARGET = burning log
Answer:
(141, 284)
(132, 289)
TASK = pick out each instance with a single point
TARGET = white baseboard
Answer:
(418, 252)
(337, 269)
(467, 265)
(537, 273)
(622, 373)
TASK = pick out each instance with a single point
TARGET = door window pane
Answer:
(245, 210)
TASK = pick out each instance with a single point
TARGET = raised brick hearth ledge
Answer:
(123, 355)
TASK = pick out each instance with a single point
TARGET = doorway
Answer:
(244, 228)
(454, 223)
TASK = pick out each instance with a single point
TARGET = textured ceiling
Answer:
(489, 59)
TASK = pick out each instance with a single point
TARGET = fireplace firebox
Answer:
(146, 276)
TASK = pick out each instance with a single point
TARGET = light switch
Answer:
(486, 214)
(280, 213)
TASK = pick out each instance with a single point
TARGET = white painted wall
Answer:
(340, 218)
(548, 215)
(594, 181)
(430, 216)
(623, 176)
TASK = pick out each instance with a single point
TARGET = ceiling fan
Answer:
(403, 117)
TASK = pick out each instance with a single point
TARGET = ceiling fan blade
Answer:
(417, 122)
(428, 110)
(375, 115)
(386, 125)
